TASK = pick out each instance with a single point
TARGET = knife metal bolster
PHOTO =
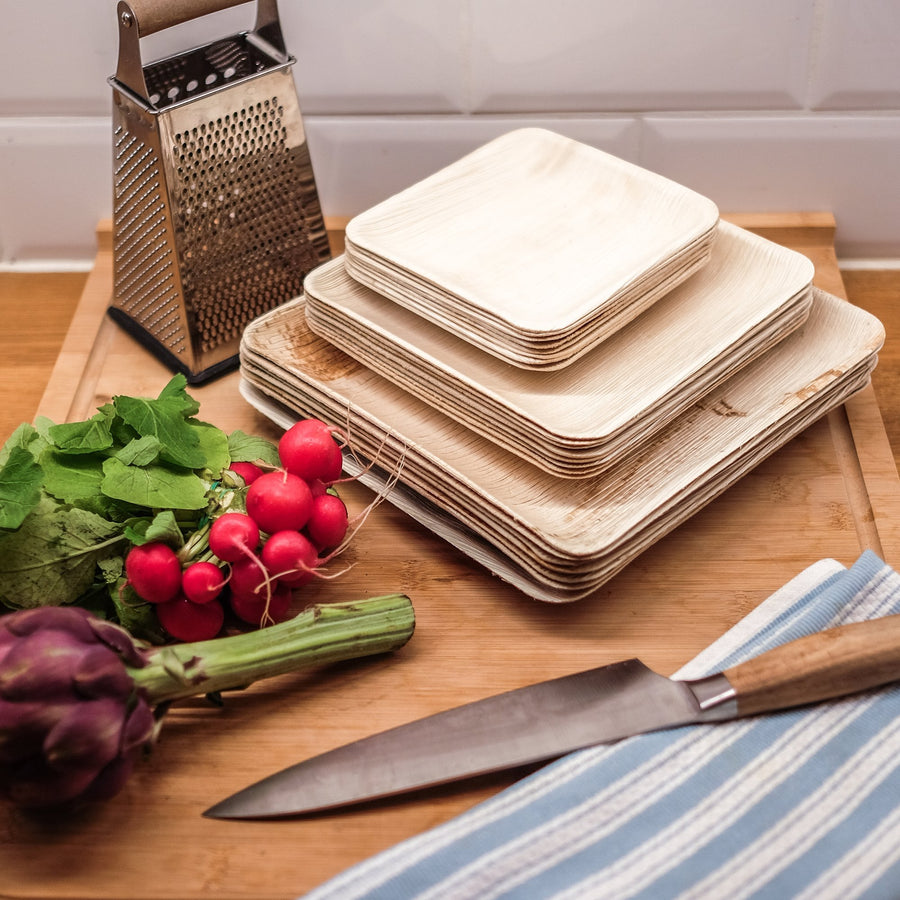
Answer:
(716, 697)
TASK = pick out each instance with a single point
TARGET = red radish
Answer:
(248, 471)
(233, 536)
(263, 610)
(154, 572)
(290, 557)
(249, 578)
(328, 522)
(202, 581)
(279, 500)
(308, 449)
(187, 621)
(256, 598)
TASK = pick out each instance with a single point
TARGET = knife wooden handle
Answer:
(822, 666)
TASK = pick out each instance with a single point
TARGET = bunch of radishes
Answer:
(294, 522)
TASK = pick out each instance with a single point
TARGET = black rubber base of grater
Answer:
(164, 355)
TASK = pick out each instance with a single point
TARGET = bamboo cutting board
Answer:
(831, 492)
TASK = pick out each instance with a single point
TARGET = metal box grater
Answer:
(216, 216)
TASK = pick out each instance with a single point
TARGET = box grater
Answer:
(216, 216)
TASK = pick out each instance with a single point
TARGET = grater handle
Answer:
(151, 16)
(139, 18)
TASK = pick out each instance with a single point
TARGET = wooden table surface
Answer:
(831, 492)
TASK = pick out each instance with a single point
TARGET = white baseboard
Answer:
(878, 265)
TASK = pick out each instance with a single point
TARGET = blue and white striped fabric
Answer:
(798, 804)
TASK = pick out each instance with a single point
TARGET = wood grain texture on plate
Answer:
(578, 420)
(570, 536)
(552, 235)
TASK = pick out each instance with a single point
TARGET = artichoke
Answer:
(71, 722)
(80, 701)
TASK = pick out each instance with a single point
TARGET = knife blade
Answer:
(543, 721)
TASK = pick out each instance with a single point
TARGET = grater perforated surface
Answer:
(204, 69)
(239, 196)
(216, 212)
(145, 279)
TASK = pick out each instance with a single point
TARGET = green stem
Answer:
(43, 563)
(195, 546)
(321, 634)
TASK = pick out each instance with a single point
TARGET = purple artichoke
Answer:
(80, 701)
(72, 723)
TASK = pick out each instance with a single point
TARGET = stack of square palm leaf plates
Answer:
(577, 421)
(534, 247)
(555, 470)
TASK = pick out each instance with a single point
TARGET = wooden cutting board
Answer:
(831, 492)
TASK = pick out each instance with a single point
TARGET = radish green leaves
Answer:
(75, 496)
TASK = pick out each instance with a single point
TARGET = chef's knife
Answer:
(546, 720)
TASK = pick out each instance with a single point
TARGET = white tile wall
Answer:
(359, 161)
(581, 55)
(55, 184)
(846, 163)
(378, 56)
(56, 63)
(774, 104)
(857, 63)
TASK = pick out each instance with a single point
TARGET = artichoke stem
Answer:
(321, 634)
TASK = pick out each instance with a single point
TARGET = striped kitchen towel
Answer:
(804, 803)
